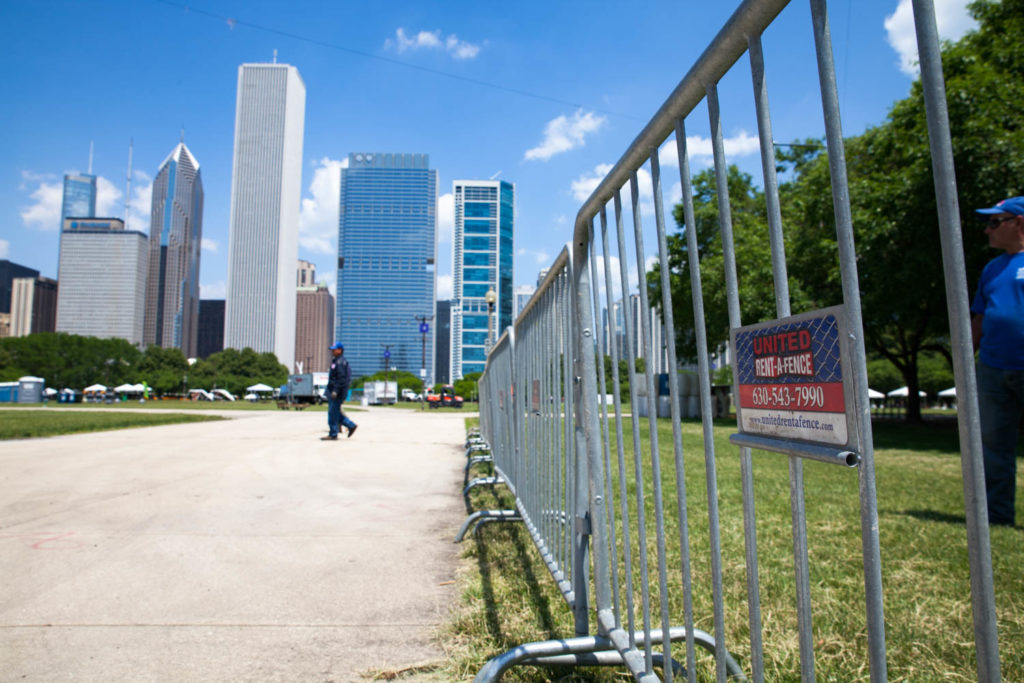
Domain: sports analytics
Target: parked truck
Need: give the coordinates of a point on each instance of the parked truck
(305, 388)
(377, 393)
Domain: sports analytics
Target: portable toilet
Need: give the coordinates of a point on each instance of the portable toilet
(30, 389)
(8, 392)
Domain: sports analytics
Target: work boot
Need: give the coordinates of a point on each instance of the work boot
(352, 430)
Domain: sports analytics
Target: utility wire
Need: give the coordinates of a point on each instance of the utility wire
(232, 22)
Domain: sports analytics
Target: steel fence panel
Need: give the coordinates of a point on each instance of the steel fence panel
(580, 482)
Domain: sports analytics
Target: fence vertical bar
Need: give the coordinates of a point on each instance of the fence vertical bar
(851, 296)
(641, 511)
(732, 296)
(652, 408)
(986, 637)
(613, 347)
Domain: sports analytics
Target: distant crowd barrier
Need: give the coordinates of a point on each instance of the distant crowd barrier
(580, 469)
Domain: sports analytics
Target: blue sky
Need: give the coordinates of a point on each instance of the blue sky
(542, 94)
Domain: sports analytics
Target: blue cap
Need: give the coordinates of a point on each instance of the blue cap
(1014, 205)
(337, 345)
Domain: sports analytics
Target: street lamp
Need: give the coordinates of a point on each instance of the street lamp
(490, 298)
(424, 321)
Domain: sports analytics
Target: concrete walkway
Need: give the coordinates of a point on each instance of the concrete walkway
(243, 550)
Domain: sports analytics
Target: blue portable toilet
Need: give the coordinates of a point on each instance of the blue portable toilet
(30, 389)
(8, 392)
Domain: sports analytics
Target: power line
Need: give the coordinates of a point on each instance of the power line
(233, 22)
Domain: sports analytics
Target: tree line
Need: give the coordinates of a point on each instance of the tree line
(74, 361)
(896, 228)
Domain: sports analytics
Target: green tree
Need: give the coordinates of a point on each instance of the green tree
(235, 370)
(892, 197)
(69, 360)
(163, 369)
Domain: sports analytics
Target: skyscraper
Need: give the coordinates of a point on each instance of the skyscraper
(102, 289)
(387, 229)
(443, 337)
(266, 184)
(211, 327)
(175, 234)
(79, 200)
(33, 305)
(79, 197)
(482, 261)
(314, 327)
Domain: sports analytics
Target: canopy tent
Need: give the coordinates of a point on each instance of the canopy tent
(948, 393)
(251, 397)
(50, 391)
(129, 388)
(875, 394)
(259, 387)
(903, 392)
(94, 388)
(67, 390)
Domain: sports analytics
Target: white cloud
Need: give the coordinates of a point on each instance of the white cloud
(445, 287)
(585, 185)
(431, 40)
(5, 249)
(318, 218)
(562, 134)
(212, 290)
(140, 208)
(445, 218)
(539, 256)
(699, 149)
(330, 278)
(108, 198)
(43, 213)
(951, 18)
(209, 245)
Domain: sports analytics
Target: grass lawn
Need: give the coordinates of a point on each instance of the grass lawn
(21, 423)
(509, 597)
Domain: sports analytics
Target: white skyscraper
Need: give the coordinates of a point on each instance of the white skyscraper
(266, 184)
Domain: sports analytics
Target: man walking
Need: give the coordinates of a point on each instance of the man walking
(338, 379)
(997, 327)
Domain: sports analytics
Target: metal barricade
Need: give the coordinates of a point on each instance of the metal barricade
(579, 479)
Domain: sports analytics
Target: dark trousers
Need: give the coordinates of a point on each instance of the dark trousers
(335, 418)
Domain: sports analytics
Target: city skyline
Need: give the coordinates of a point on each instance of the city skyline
(564, 112)
(266, 181)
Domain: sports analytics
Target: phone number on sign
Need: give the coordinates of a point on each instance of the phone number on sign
(801, 396)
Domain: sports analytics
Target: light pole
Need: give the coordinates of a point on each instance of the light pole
(424, 321)
(490, 298)
(387, 359)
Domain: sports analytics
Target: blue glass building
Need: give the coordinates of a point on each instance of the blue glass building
(79, 200)
(481, 261)
(387, 246)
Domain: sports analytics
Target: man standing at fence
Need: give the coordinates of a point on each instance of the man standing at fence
(338, 379)
(997, 327)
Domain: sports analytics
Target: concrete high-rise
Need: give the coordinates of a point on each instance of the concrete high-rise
(102, 288)
(8, 272)
(314, 327)
(387, 232)
(266, 184)
(306, 274)
(481, 262)
(175, 234)
(33, 306)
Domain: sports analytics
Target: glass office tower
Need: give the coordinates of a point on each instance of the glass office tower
(79, 200)
(387, 246)
(481, 261)
(175, 234)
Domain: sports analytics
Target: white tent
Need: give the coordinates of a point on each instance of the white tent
(903, 392)
(251, 397)
(948, 393)
(875, 394)
(124, 388)
(259, 387)
(50, 391)
(94, 387)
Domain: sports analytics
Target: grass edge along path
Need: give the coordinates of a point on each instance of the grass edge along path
(21, 423)
(508, 597)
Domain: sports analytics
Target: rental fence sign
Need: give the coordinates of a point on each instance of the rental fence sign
(791, 381)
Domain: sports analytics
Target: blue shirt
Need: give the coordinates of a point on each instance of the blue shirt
(1000, 299)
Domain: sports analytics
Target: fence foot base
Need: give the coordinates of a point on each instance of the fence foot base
(480, 517)
(596, 651)
(481, 481)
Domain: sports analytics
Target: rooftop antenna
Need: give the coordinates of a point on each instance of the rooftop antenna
(275, 55)
(128, 183)
(90, 157)
(495, 176)
(183, 133)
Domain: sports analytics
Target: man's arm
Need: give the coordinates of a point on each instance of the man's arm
(976, 329)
